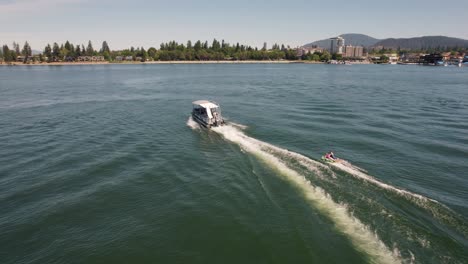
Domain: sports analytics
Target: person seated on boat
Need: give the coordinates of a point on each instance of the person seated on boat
(330, 156)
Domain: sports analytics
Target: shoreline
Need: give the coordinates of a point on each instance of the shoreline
(159, 62)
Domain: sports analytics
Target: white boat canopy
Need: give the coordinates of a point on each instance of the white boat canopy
(205, 104)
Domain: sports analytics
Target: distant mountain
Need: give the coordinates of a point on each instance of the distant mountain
(350, 39)
(36, 52)
(429, 42)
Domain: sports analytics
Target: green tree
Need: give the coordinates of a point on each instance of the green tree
(198, 45)
(55, 51)
(291, 54)
(26, 51)
(90, 49)
(325, 56)
(16, 48)
(107, 55)
(63, 53)
(144, 54)
(48, 52)
(105, 47)
(215, 45)
(336, 56)
(78, 51)
(67, 46)
(7, 53)
(152, 53)
(384, 59)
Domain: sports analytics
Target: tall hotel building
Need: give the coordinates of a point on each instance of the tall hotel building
(337, 45)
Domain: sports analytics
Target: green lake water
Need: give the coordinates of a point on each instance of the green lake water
(102, 164)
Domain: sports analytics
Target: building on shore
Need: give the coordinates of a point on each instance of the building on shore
(353, 51)
(337, 45)
(410, 58)
(432, 59)
(90, 59)
(301, 51)
(28, 59)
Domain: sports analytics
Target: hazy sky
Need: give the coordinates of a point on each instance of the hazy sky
(292, 22)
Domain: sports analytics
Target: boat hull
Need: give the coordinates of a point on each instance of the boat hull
(203, 123)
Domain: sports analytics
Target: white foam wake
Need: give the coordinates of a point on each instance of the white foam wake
(359, 234)
(359, 173)
(242, 127)
(192, 124)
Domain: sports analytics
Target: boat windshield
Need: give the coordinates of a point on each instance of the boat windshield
(199, 110)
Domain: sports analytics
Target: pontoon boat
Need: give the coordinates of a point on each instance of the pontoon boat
(207, 113)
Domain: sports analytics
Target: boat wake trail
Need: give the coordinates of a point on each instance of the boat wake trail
(362, 237)
(438, 210)
(362, 174)
(242, 127)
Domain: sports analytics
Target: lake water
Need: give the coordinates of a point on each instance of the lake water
(101, 164)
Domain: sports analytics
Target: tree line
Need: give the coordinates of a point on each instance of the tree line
(8, 54)
(169, 51)
(455, 51)
(174, 51)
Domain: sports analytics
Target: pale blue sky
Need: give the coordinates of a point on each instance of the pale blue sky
(293, 22)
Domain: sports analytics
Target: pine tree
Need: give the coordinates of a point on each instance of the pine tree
(16, 48)
(7, 53)
(67, 46)
(55, 50)
(78, 51)
(105, 47)
(198, 46)
(72, 51)
(144, 54)
(48, 51)
(89, 49)
(26, 51)
(215, 45)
